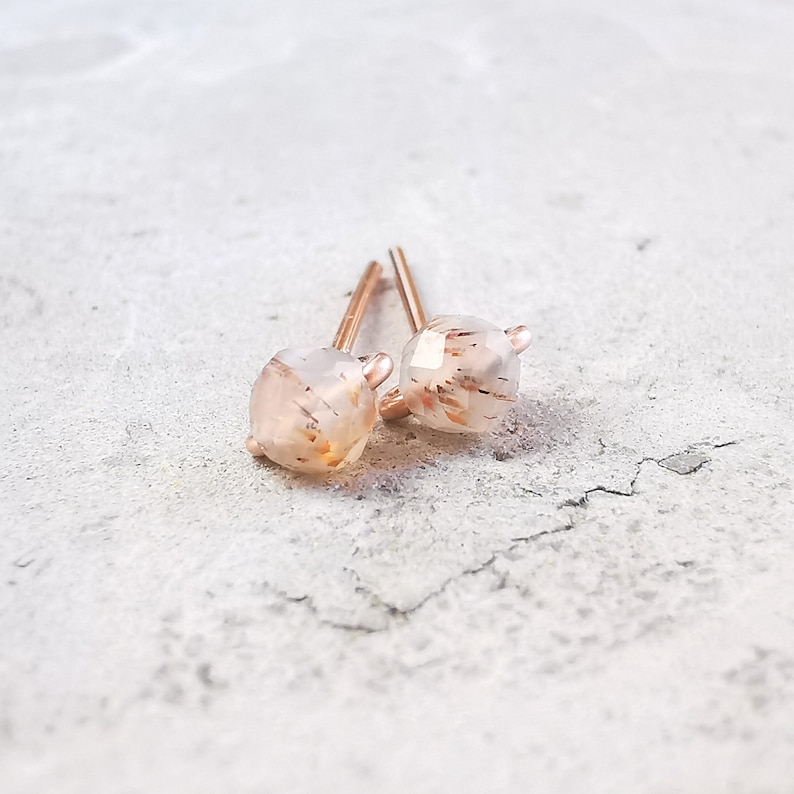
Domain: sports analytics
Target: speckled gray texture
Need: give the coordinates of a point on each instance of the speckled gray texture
(597, 598)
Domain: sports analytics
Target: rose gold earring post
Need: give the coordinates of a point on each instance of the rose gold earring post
(359, 301)
(407, 289)
(377, 368)
(392, 404)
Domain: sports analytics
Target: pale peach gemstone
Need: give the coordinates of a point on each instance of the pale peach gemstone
(459, 374)
(312, 410)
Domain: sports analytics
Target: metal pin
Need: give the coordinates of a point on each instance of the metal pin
(392, 405)
(359, 301)
(407, 288)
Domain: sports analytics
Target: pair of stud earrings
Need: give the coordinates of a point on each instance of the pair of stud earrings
(312, 409)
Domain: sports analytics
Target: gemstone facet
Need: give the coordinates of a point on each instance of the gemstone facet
(312, 410)
(459, 374)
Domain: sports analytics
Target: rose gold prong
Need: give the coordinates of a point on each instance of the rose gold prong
(520, 337)
(253, 447)
(392, 406)
(377, 369)
(407, 289)
(359, 301)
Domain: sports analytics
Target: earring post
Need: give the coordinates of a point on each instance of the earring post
(407, 289)
(359, 301)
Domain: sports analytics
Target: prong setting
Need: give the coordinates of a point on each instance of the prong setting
(520, 337)
(392, 406)
(254, 448)
(376, 369)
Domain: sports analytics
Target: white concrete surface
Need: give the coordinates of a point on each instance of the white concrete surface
(187, 187)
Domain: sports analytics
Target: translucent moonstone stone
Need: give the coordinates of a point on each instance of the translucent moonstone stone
(459, 374)
(312, 410)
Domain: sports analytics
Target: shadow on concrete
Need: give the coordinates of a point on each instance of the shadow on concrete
(396, 449)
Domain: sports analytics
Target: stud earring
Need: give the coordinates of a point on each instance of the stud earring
(312, 409)
(458, 374)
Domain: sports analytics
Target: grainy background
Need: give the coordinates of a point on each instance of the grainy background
(597, 598)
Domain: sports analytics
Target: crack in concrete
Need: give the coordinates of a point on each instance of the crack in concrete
(308, 602)
(691, 450)
(403, 613)
(395, 614)
(392, 612)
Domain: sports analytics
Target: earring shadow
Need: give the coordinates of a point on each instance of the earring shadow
(404, 444)
(531, 428)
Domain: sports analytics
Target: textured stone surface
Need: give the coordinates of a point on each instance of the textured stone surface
(459, 374)
(187, 188)
(311, 409)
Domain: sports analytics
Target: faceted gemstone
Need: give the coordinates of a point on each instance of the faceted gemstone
(312, 410)
(459, 374)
